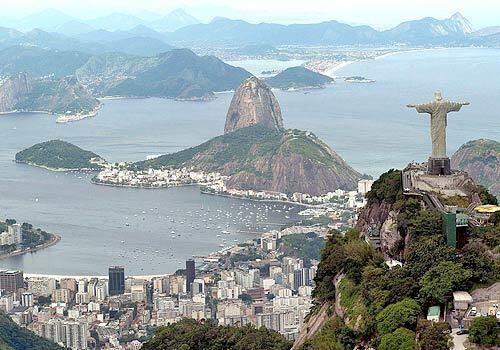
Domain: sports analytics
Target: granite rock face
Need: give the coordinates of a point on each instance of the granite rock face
(481, 160)
(253, 103)
(12, 90)
(24, 93)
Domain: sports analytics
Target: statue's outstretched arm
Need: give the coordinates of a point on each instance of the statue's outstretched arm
(456, 106)
(423, 107)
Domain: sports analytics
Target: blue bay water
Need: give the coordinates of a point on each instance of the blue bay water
(367, 124)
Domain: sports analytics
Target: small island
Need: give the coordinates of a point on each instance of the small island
(58, 155)
(298, 78)
(358, 79)
(17, 239)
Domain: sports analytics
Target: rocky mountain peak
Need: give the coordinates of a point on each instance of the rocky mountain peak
(253, 103)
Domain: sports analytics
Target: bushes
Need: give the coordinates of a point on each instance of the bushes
(334, 335)
(443, 279)
(388, 188)
(401, 314)
(349, 254)
(192, 335)
(433, 335)
(400, 339)
(485, 331)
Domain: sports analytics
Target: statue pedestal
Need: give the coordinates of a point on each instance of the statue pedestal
(439, 166)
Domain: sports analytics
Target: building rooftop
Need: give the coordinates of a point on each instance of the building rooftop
(434, 311)
(462, 296)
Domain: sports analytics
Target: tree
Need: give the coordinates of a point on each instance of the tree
(246, 298)
(192, 335)
(425, 252)
(485, 196)
(400, 339)
(476, 257)
(443, 279)
(388, 188)
(434, 335)
(485, 331)
(425, 223)
(401, 314)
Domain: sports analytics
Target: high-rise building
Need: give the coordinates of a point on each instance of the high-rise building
(298, 279)
(190, 274)
(76, 334)
(11, 281)
(27, 299)
(116, 280)
(198, 286)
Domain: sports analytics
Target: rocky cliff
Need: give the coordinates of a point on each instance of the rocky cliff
(23, 93)
(253, 103)
(12, 91)
(481, 160)
(256, 153)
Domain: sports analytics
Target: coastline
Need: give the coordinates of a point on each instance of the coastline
(61, 118)
(57, 170)
(258, 200)
(53, 241)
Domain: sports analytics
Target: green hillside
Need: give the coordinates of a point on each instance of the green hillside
(13, 337)
(260, 158)
(59, 155)
(298, 77)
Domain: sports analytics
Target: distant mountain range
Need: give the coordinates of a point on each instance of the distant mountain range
(178, 73)
(132, 35)
(57, 21)
(223, 31)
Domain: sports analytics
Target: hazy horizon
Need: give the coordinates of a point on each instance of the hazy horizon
(357, 12)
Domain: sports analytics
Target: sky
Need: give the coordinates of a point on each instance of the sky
(381, 14)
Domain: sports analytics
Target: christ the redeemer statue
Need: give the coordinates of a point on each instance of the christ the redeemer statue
(439, 109)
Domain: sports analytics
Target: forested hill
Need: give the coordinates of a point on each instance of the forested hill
(13, 337)
(59, 155)
(298, 77)
(260, 158)
(360, 300)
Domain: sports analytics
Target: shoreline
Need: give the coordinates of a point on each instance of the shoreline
(92, 181)
(56, 170)
(53, 241)
(258, 200)
(61, 118)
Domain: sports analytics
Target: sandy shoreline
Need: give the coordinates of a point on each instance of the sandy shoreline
(53, 241)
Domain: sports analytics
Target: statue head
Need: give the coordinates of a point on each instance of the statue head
(438, 95)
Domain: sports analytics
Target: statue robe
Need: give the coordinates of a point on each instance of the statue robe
(439, 111)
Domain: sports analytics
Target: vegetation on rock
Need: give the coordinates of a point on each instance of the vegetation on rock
(13, 337)
(298, 77)
(189, 334)
(59, 155)
(260, 158)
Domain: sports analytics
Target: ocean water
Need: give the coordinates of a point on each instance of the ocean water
(367, 124)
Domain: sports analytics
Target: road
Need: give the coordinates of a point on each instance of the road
(458, 340)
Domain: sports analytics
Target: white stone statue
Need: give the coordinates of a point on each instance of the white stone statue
(438, 110)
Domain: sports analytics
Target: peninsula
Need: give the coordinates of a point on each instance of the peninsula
(257, 153)
(58, 155)
(64, 97)
(17, 239)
